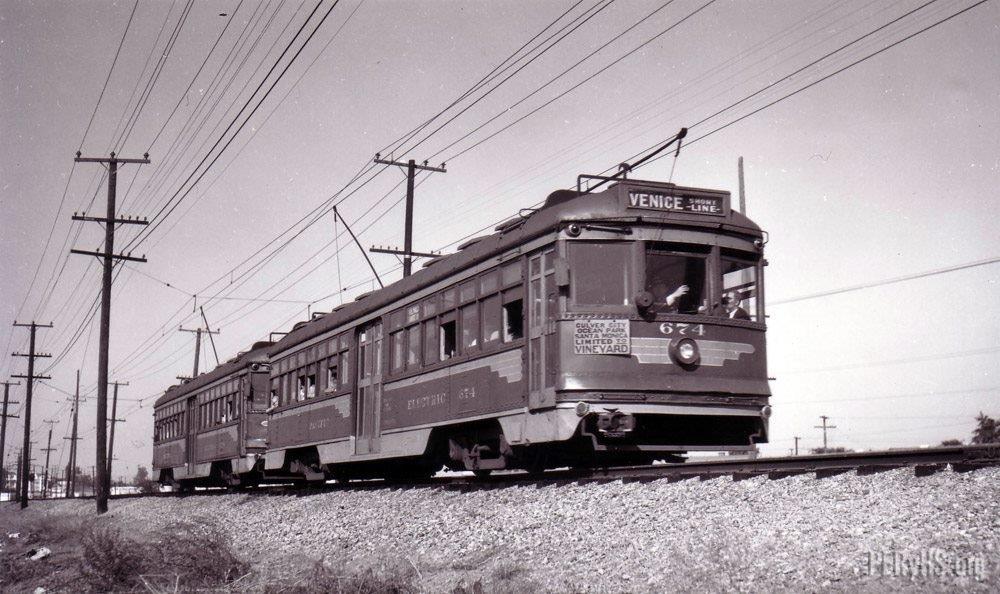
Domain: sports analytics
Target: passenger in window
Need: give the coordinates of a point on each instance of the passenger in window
(733, 311)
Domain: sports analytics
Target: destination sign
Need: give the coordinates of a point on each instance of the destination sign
(709, 205)
(601, 337)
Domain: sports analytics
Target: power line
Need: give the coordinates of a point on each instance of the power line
(832, 74)
(889, 281)
(171, 204)
(779, 402)
(953, 355)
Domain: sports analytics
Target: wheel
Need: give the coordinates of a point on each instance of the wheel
(482, 472)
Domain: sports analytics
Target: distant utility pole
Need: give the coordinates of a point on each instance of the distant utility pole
(17, 481)
(743, 192)
(197, 344)
(824, 427)
(102, 486)
(797, 438)
(71, 470)
(3, 431)
(407, 251)
(114, 421)
(29, 386)
(48, 452)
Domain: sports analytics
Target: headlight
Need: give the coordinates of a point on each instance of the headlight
(685, 351)
(582, 408)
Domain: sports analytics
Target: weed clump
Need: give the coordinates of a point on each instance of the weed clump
(188, 556)
(110, 560)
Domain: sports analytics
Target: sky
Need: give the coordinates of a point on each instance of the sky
(862, 170)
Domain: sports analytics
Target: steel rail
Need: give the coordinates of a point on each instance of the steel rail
(924, 462)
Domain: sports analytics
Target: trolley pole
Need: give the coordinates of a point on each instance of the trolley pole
(29, 386)
(48, 452)
(114, 421)
(411, 173)
(71, 469)
(108, 256)
(824, 427)
(3, 431)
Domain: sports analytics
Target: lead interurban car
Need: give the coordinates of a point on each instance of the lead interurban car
(588, 332)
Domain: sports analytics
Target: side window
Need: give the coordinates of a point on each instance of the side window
(345, 369)
(513, 315)
(448, 340)
(413, 347)
(396, 355)
(470, 327)
(431, 350)
(311, 385)
(491, 320)
(332, 375)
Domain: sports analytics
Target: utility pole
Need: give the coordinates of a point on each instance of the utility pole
(407, 251)
(3, 431)
(114, 421)
(29, 386)
(197, 343)
(824, 427)
(71, 470)
(797, 438)
(108, 256)
(48, 452)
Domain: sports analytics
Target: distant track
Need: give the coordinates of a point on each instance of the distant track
(923, 461)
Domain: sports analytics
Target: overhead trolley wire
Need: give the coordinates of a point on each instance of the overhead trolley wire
(481, 82)
(832, 74)
(581, 83)
(573, 26)
(613, 39)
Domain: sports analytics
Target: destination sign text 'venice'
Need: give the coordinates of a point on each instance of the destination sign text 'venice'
(649, 200)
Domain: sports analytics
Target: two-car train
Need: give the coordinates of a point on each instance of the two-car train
(604, 328)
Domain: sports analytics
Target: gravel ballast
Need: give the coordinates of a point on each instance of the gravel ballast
(884, 532)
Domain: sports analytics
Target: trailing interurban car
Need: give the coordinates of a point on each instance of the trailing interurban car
(212, 429)
(604, 328)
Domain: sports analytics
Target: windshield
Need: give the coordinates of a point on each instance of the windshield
(675, 276)
(600, 273)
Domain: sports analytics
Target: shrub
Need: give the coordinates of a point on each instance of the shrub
(199, 552)
(187, 555)
(110, 560)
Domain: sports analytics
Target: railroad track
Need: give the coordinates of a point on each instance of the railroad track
(923, 461)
